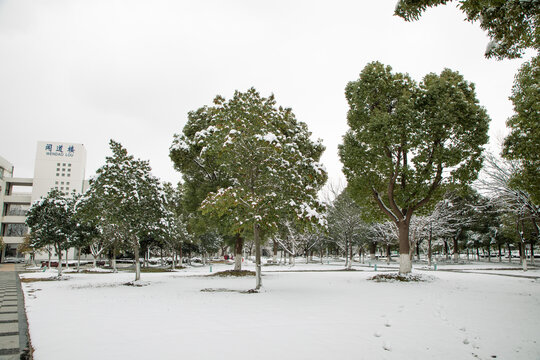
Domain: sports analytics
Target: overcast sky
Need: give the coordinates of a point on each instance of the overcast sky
(89, 71)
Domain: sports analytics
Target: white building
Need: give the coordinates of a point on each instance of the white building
(57, 165)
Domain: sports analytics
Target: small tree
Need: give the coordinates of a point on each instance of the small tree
(50, 220)
(129, 198)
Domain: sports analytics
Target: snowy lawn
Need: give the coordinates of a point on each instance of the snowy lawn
(299, 315)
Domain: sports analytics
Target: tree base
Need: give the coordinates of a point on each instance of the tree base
(405, 264)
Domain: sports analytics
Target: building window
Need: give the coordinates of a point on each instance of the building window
(57, 169)
(58, 164)
(68, 175)
(69, 164)
(57, 174)
(56, 182)
(69, 169)
(67, 183)
(63, 174)
(15, 230)
(63, 164)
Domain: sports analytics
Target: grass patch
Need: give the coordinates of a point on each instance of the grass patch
(399, 277)
(147, 270)
(237, 273)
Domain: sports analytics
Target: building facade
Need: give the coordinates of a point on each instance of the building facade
(57, 165)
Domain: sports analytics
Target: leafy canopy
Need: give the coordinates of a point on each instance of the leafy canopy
(408, 140)
(259, 158)
(512, 25)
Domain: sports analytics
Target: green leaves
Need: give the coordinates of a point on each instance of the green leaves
(523, 141)
(258, 157)
(512, 25)
(407, 140)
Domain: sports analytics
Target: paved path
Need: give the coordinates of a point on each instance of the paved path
(13, 325)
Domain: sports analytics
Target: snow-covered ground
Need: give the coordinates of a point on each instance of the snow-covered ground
(299, 315)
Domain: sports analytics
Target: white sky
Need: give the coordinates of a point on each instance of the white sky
(88, 71)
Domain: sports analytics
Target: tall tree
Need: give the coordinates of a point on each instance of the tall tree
(523, 142)
(129, 196)
(406, 141)
(512, 25)
(270, 163)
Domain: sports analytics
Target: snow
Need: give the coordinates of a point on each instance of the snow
(303, 312)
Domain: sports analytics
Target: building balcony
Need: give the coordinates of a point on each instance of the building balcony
(13, 239)
(15, 181)
(18, 199)
(10, 219)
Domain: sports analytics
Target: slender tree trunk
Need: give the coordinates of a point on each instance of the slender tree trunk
(429, 252)
(275, 249)
(78, 259)
(418, 251)
(446, 250)
(180, 258)
(137, 262)
(59, 252)
(489, 253)
(67, 257)
(257, 238)
(238, 245)
(173, 264)
(456, 250)
(115, 270)
(500, 252)
(524, 257)
(477, 254)
(509, 253)
(532, 253)
(388, 256)
(50, 254)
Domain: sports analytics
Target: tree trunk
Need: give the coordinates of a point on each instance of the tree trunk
(238, 245)
(137, 263)
(489, 253)
(388, 256)
(115, 270)
(477, 254)
(446, 251)
(67, 257)
(59, 252)
(523, 256)
(50, 251)
(79, 260)
(456, 250)
(532, 253)
(509, 253)
(372, 250)
(405, 264)
(275, 248)
(418, 251)
(500, 252)
(429, 252)
(180, 259)
(173, 261)
(257, 238)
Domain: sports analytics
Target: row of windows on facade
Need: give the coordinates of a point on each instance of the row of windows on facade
(15, 230)
(15, 209)
(63, 169)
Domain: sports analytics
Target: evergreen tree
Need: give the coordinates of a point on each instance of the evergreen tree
(407, 141)
(523, 142)
(269, 163)
(512, 25)
(50, 220)
(129, 198)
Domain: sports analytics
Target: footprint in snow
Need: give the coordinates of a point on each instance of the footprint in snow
(386, 346)
(387, 323)
(377, 334)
